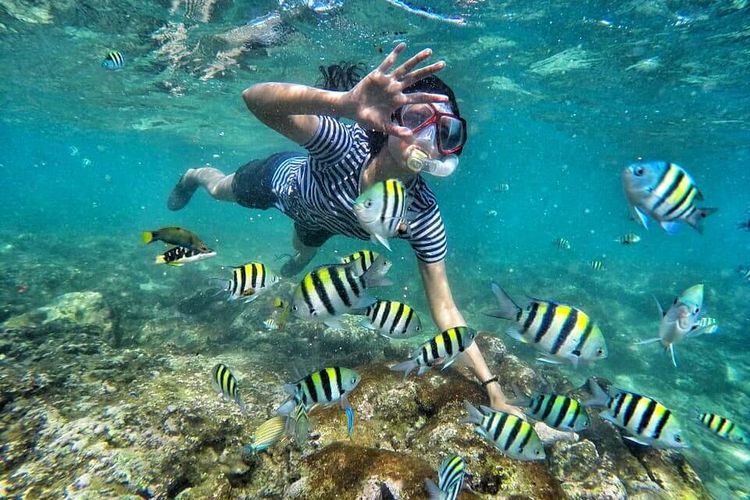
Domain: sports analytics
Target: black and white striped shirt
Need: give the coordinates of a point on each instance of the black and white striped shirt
(318, 191)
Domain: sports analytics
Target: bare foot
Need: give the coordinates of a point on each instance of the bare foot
(182, 192)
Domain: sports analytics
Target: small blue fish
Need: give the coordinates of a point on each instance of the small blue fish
(349, 420)
(113, 60)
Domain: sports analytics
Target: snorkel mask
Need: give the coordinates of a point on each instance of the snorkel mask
(437, 132)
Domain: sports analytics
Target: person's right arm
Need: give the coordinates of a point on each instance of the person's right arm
(293, 110)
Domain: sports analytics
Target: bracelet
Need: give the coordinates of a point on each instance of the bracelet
(489, 381)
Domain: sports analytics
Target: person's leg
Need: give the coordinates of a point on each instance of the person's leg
(298, 262)
(213, 180)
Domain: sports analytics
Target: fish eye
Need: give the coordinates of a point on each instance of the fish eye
(697, 310)
(599, 351)
(677, 438)
(294, 308)
(368, 203)
(639, 171)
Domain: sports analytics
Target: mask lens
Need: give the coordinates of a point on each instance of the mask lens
(452, 133)
(414, 116)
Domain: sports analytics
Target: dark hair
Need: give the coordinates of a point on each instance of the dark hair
(431, 84)
(342, 76)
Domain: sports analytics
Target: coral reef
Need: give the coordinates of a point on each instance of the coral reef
(84, 418)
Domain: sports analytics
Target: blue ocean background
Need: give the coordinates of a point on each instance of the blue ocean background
(91, 155)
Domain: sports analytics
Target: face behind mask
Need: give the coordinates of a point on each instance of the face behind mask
(420, 161)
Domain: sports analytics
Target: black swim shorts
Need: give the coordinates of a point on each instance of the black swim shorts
(252, 184)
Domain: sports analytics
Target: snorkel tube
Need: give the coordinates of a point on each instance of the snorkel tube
(419, 161)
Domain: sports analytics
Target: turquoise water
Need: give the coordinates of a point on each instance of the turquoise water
(559, 97)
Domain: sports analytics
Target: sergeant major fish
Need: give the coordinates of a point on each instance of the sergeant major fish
(323, 387)
(177, 256)
(559, 331)
(664, 192)
(444, 348)
(724, 428)
(248, 280)
(176, 236)
(365, 258)
(113, 60)
(557, 411)
(450, 479)
(681, 321)
(226, 384)
(392, 319)
(381, 210)
(330, 291)
(649, 422)
(511, 436)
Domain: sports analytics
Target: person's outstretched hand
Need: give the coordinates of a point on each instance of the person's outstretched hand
(380, 93)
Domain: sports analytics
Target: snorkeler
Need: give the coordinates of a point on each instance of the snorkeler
(407, 122)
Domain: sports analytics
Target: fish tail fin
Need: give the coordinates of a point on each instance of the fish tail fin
(147, 237)
(475, 416)
(598, 396)
(508, 309)
(407, 367)
(160, 260)
(696, 218)
(433, 492)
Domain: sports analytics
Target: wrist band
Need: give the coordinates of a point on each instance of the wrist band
(489, 381)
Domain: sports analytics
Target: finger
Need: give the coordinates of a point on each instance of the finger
(391, 58)
(417, 75)
(424, 97)
(398, 131)
(402, 70)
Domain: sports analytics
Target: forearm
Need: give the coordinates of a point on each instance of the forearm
(268, 100)
(443, 309)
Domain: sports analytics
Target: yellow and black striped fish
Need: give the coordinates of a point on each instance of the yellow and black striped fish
(562, 243)
(225, 383)
(266, 435)
(649, 422)
(113, 60)
(323, 387)
(597, 265)
(381, 210)
(450, 479)
(248, 280)
(558, 411)
(328, 292)
(664, 192)
(365, 259)
(444, 348)
(724, 428)
(559, 331)
(393, 319)
(177, 256)
(511, 436)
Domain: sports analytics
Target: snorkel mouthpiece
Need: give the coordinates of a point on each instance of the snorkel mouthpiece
(419, 162)
(416, 160)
